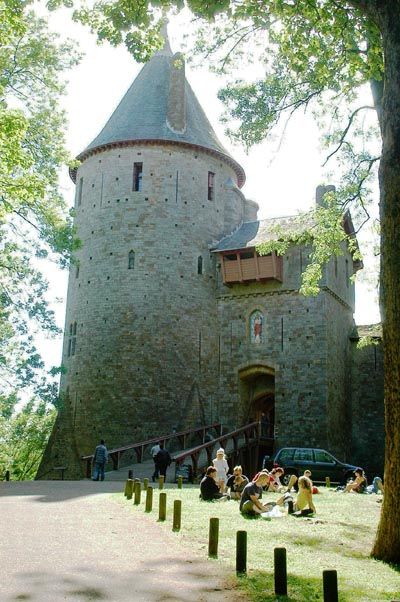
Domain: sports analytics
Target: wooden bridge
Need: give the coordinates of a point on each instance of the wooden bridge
(241, 447)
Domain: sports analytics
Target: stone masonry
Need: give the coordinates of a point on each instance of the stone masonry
(154, 337)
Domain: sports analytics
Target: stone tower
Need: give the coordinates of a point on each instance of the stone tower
(153, 190)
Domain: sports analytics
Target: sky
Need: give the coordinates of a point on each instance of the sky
(282, 172)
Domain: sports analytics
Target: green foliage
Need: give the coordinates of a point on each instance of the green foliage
(23, 438)
(34, 221)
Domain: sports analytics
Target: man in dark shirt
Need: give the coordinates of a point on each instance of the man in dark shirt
(251, 496)
(100, 459)
(162, 460)
(236, 483)
(209, 489)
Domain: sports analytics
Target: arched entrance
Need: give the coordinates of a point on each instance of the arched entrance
(257, 393)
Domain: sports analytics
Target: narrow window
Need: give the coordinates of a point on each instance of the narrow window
(199, 264)
(131, 260)
(77, 271)
(79, 193)
(137, 177)
(335, 260)
(211, 190)
(347, 273)
(73, 343)
(72, 339)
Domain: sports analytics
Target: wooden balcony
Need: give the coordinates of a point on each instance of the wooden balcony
(247, 266)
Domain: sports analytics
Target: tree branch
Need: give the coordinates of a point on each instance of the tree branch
(346, 131)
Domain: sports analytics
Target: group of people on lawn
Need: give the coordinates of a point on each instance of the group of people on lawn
(218, 485)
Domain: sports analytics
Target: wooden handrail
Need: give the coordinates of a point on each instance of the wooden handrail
(116, 453)
(250, 429)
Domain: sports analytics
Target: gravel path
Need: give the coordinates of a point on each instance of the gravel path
(70, 540)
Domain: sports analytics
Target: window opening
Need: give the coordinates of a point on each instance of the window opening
(137, 177)
(131, 260)
(199, 264)
(347, 273)
(72, 339)
(211, 186)
(79, 192)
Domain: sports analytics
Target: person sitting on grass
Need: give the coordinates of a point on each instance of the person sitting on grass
(250, 503)
(358, 484)
(209, 489)
(304, 503)
(307, 473)
(274, 479)
(236, 483)
(376, 486)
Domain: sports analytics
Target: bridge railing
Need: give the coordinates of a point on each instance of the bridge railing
(139, 448)
(250, 433)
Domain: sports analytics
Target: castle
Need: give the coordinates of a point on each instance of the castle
(173, 320)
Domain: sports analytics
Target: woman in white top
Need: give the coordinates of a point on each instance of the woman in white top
(222, 468)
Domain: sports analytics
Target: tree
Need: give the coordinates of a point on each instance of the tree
(23, 436)
(317, 48)
(34, 222)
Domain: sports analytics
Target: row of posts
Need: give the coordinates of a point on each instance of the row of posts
(133, 489)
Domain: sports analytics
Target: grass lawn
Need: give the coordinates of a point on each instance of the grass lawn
(339, 537)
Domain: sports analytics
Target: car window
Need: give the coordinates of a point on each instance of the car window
(303, 455)
(286, 455)
(323, 456)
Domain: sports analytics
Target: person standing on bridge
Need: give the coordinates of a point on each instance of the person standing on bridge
(162, 461)
(100, 458)
(154, 451)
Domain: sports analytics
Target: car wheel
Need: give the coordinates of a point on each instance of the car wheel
(286, 477)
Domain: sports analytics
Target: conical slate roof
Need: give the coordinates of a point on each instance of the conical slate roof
(142, 115)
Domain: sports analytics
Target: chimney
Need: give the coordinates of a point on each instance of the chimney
(176, 109)
(321, 191)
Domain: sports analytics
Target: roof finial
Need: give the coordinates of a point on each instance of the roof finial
(166, 49)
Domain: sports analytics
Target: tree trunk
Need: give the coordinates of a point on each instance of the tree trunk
(387, 543)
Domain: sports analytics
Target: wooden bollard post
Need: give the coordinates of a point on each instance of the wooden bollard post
(241, 551)
(176, 521)
(213, 536)
(7, 475)
(129, 490)
(327, 482)
(137, 490)
(145, 484)
(280, 571)
(330, 586)
(149, 499)
(180, 481)
(130, 474)
(162, 507)
(161, 480)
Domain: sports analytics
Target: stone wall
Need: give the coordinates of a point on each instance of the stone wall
(146, 337)
(367, 408)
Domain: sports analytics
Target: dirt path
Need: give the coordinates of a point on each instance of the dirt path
(68, 540)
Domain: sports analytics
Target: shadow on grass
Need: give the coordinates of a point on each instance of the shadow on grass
(259, 586)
